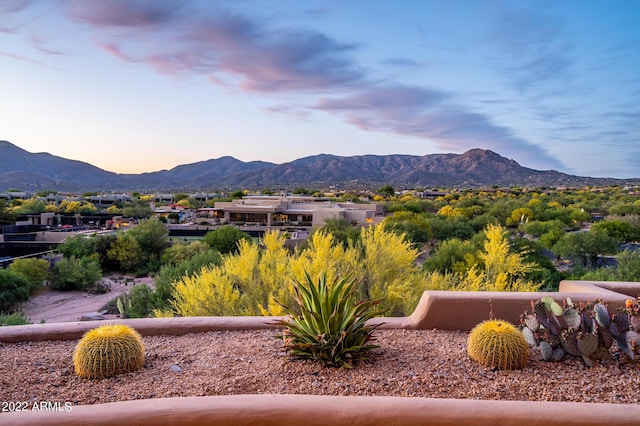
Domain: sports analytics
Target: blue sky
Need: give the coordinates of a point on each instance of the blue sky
(137, 86)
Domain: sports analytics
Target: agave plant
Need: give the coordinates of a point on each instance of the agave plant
(330, 324)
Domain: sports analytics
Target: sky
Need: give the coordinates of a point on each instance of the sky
(136, 86)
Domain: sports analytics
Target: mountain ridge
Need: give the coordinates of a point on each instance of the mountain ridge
(474, 168)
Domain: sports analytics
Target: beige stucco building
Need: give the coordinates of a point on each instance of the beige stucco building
(266, 210)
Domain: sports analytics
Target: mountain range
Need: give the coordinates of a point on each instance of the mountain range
(22, 170)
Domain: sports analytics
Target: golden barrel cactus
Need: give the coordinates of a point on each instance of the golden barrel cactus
(498, 344)
(108, 350)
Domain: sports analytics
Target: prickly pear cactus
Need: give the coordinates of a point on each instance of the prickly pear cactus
(108, 350)
(572, 317)
(498, 344)
(587, 344)
(586, 331)
(602, 315)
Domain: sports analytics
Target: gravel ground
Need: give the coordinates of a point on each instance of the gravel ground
(431, 364)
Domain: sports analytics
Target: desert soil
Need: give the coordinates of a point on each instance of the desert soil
(68, 306)
(428, 363)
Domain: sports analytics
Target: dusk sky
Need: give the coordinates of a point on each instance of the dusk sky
(136, 86)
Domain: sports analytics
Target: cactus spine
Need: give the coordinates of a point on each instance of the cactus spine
(108, 350)
(498, 344)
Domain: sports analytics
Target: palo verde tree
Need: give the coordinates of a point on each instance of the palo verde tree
(494, 268)
(248, 282)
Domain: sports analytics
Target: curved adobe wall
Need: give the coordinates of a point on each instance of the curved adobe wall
(443, 310)
(311, 410)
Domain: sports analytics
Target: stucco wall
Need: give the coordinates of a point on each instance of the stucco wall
(316, 410)
(443, 310)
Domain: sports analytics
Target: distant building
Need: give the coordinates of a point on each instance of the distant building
(267, 210)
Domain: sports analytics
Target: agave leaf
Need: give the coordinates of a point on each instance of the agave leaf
(330, 326)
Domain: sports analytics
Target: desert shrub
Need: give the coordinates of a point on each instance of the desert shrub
(137, 303)
(76, 246)
(16, 318)
(14, 289)
(494, 268)
(329, 322)
(125, 252)
(75, 274)
(225, 239)
(163, 294)
(179, 253)
(36, 271)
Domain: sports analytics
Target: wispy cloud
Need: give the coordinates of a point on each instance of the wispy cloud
(13, 6)
(229, 47)
(124, 13)
(430, 115)
(243, 52)
(10, 11)
(532, 40)
(26, 59)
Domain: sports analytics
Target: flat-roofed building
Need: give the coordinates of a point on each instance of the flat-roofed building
(266, 210)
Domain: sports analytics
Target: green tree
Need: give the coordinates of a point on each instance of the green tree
(126, 252)
(624, 209)
(7, 217)
(415, 227)
(100, 245)
(14, 289)
(386, 191)
(621, 231)
(153, 238)
(32, 206)
(75, 274)
(498, 268)
(341, 229)
(538, 228)
(450, 256)
(628, 268)
(137, 209)
(588, 247)
(519, 215)
(78, 245)
(301, 190)
(225, 239)
(137, 303)
(456, 227)
(179, 253)
(36, 271)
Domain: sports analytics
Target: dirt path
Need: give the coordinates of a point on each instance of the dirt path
(69, 306)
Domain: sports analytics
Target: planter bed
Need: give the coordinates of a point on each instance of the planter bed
(244, 375)
(430, 364)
